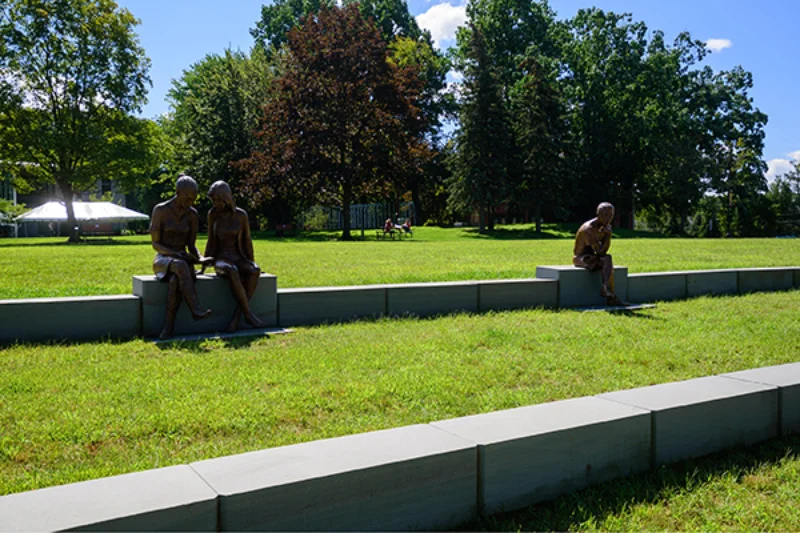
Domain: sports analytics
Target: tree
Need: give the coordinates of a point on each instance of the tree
(342, 119)
(281, 16)
(80, 71)
(215, 108)
(484, 144)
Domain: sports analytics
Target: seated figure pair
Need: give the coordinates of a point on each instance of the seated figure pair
(173, 231)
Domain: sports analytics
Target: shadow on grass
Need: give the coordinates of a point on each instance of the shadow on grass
(211, 344)
(9, 243)
(564, 230)
(597, 503)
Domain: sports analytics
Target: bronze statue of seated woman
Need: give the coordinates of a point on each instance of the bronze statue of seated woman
(230, 245)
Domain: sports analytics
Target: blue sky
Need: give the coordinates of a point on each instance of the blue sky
(762, 36)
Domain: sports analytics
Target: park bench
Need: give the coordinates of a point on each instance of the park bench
(283, 230)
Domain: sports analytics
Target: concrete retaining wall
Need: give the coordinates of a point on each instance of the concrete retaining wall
(430, 476)
(658, 286)
(508, 294)
(317, 305)
(142, 314)
(78, 318)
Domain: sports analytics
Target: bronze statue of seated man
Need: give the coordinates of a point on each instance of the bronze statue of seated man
(591, 250)
(173, 231)
(230, 245)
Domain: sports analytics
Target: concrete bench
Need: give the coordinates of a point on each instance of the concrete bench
(536, 453)
(74, 318)
(167, 499)
(214, 293)
(413, 477)
(316, 305)
(787, 379)
(577, 287)
(506, 294)
(705, 415)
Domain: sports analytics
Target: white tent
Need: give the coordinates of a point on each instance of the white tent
(84, 211)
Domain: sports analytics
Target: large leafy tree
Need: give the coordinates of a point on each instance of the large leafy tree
(79, 72)
(343, 117)
(483, 159)
(542, 136)
(605, 65)
(215, 108)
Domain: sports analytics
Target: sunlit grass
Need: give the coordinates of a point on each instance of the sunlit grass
(79, 411)
(47, 267)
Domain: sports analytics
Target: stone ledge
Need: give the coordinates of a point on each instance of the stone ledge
(508, 294)
(316, 305)
(536, 453)
(413, 477)
(167, 499)
(705, 415)
(428, 299)
(72, 318)
(577, 287)
(787, 379)
(657, 286)
(213, 293)
(766, 279)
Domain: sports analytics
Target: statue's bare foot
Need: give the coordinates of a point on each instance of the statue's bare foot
(201, 316)
(614, 301)
(254, 321)
(166, 333)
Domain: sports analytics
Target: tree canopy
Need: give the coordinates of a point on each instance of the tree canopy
(77, 72)
(343, 120)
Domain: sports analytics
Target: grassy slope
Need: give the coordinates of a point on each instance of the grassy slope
(73, 412)
(46, 267)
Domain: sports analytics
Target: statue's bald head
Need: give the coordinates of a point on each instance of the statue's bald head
(186, 183)
(605, 206)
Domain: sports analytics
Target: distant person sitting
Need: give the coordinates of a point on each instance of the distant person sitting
(388, 226)
(591, 250)
(406, 226)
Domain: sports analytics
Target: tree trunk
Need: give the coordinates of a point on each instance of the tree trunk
(72, 223)
(490, 217)
(481, 219)
(347, 193)
(419, 216)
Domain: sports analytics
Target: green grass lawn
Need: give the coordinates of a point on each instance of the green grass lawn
(79, 411)
(47, 267)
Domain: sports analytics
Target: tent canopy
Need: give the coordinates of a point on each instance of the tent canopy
(84, 211)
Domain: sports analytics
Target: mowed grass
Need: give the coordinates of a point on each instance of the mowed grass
(79, 411)
(47, 267)
(746, 489)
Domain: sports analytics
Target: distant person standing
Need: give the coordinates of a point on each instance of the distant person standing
(591, 250)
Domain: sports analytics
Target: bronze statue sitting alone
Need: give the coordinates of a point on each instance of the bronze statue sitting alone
(230, 245)
(591, 250)
(173, 232)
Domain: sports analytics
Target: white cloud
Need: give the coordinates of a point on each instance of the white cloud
(718, 45)
(778, 167)
(442, 20)
(794, 155)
